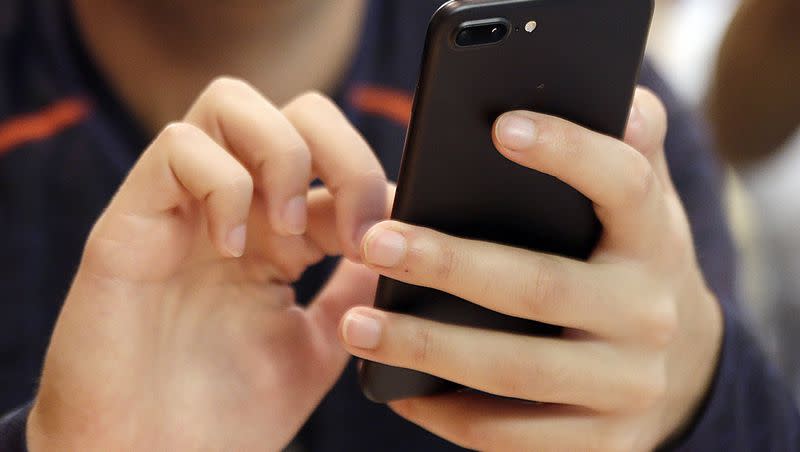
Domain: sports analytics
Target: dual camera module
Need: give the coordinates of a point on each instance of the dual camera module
(487, 32)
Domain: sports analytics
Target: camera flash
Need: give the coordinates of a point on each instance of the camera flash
(531, 26)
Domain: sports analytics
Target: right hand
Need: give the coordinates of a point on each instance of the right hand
(168, 339)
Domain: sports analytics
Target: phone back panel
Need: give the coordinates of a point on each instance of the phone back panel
(581, 63)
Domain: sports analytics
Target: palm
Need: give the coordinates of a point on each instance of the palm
(218, 348)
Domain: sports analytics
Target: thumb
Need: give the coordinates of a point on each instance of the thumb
(647, 130)
(351, 285)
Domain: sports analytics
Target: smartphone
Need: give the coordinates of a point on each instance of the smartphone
(575, 59)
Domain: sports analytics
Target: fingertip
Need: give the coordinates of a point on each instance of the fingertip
(384, 247)
(236, 241)
(515, 131)
(361, 328)
(647, 123)
(294, 217)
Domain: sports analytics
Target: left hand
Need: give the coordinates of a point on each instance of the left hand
(643, 330)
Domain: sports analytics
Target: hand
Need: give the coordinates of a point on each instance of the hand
(173, 337)
(642, 328)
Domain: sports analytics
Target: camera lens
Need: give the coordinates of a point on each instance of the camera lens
(483, 34)
(464, 37)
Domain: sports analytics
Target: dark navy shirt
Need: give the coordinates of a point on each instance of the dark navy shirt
(66, 143)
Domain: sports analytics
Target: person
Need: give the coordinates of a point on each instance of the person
(180, 329)
(755, 118)
(754, 113)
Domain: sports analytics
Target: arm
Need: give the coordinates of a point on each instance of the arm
(748, 407)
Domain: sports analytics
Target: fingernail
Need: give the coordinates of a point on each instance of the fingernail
(236, 240)
(361, 331)
(516, 132)
(295, 215)
(384, 248)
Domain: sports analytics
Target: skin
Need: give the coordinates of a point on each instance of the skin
(170, 51)
(643, 328)
(180, 338)
(754, 103)
(180, 331)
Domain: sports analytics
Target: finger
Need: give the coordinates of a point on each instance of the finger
(290, 255)
(248, 125)
(521, 283)
(478, 422)
(294, 254)
(351, 285)
(345, 163)
(647, 130)
(322, 219)
(540, 369)
(183, 165)
(618, 179)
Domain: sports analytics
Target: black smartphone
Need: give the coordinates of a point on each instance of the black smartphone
(575, 59)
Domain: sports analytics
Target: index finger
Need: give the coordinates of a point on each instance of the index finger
(345, 163)
(244, 122)
(619, 180)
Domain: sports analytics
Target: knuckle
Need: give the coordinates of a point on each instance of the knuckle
(529, 378)
(421, 347)
(225, 86)
(295, 155)
(445, 261)
(240, 182)
(236, 192)
(649, 389)
(569, 139)
(297, 150)
(661, 322)
(176, 134)
(543, 292)
(315, 99)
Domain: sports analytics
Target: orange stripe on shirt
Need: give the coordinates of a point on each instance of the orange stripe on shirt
(394, 105)
(43, 124)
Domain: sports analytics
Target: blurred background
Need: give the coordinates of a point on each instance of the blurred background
(737, 62)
